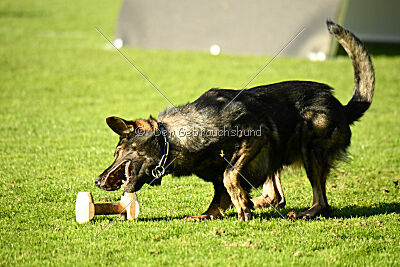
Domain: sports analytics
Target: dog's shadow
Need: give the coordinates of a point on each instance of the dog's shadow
(346, 212)
(352, 211)
(112, 218)
(157, 219)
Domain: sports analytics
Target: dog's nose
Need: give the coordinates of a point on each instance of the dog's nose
(97, 182)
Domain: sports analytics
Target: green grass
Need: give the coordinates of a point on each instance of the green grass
(59, 82)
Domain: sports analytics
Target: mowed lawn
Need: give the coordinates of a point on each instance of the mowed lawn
(59, 81)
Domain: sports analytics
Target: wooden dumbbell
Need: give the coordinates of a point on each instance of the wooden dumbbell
(85, 208)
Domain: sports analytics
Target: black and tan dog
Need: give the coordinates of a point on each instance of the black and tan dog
(240, 140)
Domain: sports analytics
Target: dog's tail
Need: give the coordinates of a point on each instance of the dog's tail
(364, 77)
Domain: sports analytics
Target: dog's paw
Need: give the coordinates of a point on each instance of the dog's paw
(266, 202)
(299, 215)
(245, 215)
(311, 213)
(260, 202)
(281, 203)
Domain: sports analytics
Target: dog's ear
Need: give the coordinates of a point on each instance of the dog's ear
(151, 118)
(152, 121)
(118, 125)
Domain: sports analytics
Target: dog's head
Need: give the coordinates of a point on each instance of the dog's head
(137, 153)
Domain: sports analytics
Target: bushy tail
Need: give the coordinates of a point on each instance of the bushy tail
(364, 77)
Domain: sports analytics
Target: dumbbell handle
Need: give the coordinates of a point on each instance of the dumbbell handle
(109, 208)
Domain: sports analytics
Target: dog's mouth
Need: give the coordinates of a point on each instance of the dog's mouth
(116, 176)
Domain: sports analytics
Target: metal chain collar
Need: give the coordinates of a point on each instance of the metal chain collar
(159, 170)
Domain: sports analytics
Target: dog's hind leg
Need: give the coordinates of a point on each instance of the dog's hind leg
(219, 204)
(272, 193)
(278, 186)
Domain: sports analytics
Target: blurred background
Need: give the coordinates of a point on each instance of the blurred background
(257, 27)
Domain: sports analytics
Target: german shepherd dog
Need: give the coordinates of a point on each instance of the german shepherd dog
(292, 122)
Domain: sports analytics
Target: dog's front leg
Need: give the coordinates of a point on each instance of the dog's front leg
(219, 204)
(233, 176)
(239, 197)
